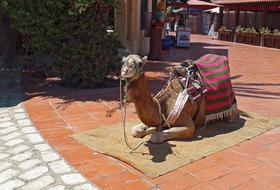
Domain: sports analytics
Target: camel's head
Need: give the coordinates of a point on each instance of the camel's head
(132, 66)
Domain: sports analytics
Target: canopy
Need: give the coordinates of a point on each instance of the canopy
(214, 10)
(196, 4)
(186, 10)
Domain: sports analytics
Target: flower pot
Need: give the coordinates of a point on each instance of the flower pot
(225, 35)
(267, 40)
(276, 43)
(166, 43)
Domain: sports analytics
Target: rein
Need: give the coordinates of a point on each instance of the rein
(123, 109)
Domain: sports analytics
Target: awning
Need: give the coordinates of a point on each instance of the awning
(196, 4)
(182, 10)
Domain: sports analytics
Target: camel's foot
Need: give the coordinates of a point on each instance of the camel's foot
(141, 130)
(232, 118)
(158, 137)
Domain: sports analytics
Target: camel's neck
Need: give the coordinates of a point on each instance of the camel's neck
(146, 108)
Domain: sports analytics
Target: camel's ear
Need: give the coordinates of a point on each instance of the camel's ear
(144, 60)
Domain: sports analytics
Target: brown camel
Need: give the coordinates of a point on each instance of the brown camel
(148, 107)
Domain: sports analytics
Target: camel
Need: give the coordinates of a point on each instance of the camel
(148, 107)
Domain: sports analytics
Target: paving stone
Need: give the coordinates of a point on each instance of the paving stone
(14, 142)
(22, 157)
(18, 149)
(34, 138)
(49, 156)
(2, 148)
(8, 130)
(5, 165)
(18, 110)
(2, 119)
(24, 122)
(42, 147)
(86, 186)
(27, 130)
(20, 116)
(10, 136)
(12, 184)
(3, 111)
(40, 183)
(6, 124)
(29, 164)
(58, 187)
(60, 166)
(7, 174)
(34, 173)
(4, 115)
(73, 179)
(4, 155)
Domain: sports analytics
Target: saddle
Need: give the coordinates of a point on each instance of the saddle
(190, 79)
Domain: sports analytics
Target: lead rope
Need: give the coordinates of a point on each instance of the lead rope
(123, 109)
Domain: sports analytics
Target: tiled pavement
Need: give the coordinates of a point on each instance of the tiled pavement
(58, 112)
(27, 162)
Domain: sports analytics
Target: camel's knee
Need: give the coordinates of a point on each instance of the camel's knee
(141, 130)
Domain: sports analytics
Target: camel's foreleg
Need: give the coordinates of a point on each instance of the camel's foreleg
(141, 130)
(174, 133)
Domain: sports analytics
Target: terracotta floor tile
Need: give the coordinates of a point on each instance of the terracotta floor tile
(65, 144)
(106, 171)
(247, 148)
(274, 147)
(266, 174)
(264, 140)
(115, 180)
(275, 183)
(269, 156)
(182, 182)
(77, 156)
(95, 164)
(252, 184)
(212, 172)
(134, 185)
(248, 166)
(203, 186)
(168, 177)
(230, 181)
(198, 165)
(231, 160)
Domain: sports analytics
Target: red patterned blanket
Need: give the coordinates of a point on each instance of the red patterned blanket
(220, 96)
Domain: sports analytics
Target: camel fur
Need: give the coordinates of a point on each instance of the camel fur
(147, 108)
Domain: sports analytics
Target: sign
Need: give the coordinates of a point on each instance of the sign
(183, 36)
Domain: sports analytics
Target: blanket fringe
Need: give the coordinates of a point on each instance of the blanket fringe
(222, 115)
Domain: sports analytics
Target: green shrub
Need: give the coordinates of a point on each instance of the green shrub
(73, 32)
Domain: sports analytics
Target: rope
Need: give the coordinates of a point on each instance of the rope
(123, 109)
(161, 116)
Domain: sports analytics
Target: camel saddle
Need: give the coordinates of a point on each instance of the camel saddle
(192, 84)
(190, 79)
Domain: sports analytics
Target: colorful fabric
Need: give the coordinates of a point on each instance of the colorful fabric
(220, 98)
(193, 89)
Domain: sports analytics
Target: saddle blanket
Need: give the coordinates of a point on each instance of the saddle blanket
(220, 98)
(213, 78)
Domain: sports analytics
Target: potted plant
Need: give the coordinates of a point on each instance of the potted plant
(225, 34)
(276, 38)
(240, 34)
(266, 37)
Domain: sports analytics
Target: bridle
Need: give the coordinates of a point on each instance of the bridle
(123, 99)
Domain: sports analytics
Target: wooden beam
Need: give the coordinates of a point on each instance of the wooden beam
(221, 17)
(265, 16)
(237, 13)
